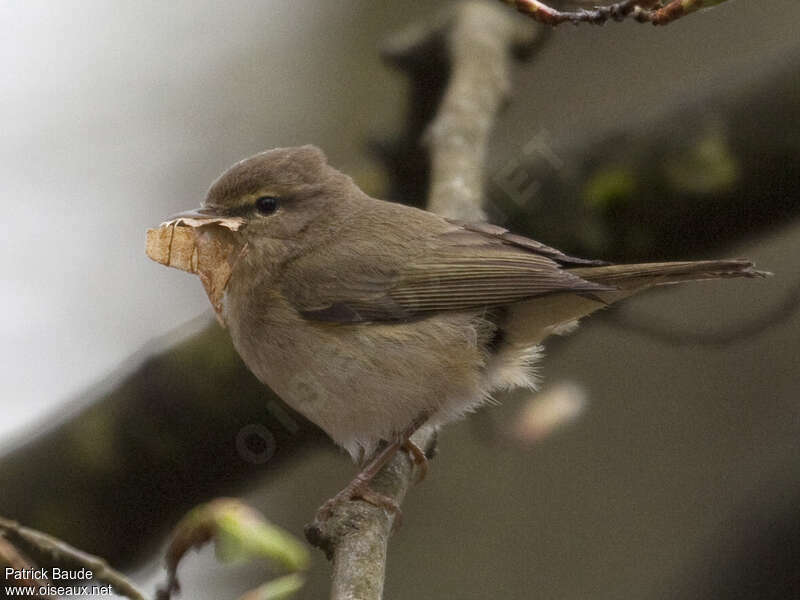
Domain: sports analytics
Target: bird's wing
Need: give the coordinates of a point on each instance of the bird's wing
(499, 234)
(465, 267)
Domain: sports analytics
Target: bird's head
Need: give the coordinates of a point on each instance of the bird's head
(279, 195)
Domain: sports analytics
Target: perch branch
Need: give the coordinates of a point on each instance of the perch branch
(476, 40)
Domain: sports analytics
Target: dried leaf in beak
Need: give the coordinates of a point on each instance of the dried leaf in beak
(203, 246)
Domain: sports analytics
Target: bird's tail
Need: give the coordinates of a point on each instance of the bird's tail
(538, 318)
(638, 276)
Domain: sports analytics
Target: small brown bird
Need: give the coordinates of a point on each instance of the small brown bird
(372, 318)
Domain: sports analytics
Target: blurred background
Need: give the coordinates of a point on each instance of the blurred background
(678, 479)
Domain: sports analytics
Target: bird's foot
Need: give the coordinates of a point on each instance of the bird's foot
(358, 489)
(318, 533)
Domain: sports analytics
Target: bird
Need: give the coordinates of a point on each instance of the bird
(373, 319)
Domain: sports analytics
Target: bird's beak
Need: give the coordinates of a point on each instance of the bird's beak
(199, 214)
(207, 215)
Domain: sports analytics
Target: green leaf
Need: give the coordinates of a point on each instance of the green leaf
(239, 532)
(242, 533)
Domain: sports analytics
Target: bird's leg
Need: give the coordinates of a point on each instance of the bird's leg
(415, 452)
(359, 487)
(418, 456)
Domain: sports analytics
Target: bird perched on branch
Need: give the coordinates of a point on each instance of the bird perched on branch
(373, 319)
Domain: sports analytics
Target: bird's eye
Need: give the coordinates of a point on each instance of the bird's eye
(267, 205)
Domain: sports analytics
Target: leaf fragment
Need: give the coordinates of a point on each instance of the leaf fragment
(205, 247)
(239, 532)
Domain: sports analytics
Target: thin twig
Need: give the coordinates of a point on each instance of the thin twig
(643, 11)
(477, 41)
(598, 15)
(61, 552)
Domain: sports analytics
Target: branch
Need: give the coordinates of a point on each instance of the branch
(476, 42)
(657, 12)
(39, 544)
(547, 15)
(356, 536)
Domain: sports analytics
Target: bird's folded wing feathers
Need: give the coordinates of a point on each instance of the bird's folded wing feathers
(466, 267)
(501, 235)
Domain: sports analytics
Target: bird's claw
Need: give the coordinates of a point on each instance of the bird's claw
(358, 491)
